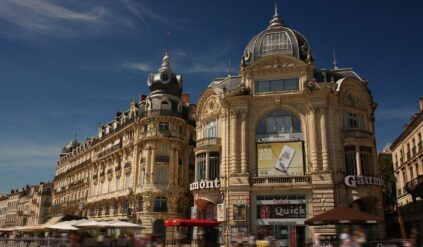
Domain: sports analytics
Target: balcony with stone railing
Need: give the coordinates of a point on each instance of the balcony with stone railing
(356, 133)
(288, 180)
(109, 150)
(415, 186)
(213, 143)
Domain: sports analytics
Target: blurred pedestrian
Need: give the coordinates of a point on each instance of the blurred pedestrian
(316, 240)
(345, 238)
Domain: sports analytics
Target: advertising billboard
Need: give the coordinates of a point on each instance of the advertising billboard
(280, 159)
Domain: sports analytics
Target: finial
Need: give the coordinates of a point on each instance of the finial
(335, 66)
(229, 67)
(166, 61)
(276, 20)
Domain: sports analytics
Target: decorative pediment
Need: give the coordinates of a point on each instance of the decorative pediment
(278, 64)
(354, 93)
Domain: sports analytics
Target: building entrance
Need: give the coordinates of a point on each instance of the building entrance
(282, 235)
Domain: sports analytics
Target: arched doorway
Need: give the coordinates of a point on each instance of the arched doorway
(159, 229)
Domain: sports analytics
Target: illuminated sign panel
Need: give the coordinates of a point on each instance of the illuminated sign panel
(280, 158)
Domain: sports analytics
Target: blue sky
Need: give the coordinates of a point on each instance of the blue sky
(73, 64)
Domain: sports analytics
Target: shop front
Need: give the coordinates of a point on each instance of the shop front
(281, 218)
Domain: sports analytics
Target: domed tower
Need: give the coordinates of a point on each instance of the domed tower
(277, 39)
(166, 140)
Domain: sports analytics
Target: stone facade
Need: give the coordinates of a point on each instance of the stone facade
(139, 165)
(281, 138)
(407, 157)
(26, 207)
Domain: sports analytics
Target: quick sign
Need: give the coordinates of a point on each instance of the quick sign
(281, 211)
(354, 181)
(205, 184)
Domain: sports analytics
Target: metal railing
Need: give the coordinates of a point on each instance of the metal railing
(282, 180)
(412, 185)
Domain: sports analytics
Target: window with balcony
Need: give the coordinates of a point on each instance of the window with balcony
(366, 159)
(214, 165)
(353, 120)
(280, 85)
(210, 129)
(163, 127)
(161, 176)
(350, 162)
(160, 204)
(201, 166)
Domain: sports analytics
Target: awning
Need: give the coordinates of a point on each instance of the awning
(343, 215)
(122, 224)
(188, 222)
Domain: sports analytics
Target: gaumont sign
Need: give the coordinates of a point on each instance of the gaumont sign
(205, 184)
(354, 181)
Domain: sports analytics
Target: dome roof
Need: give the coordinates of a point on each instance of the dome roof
(165, 81)
(71, 145)
(277, 39)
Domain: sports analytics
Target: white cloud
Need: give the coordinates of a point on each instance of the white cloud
(29, 155)
(75, 19)
(144, 67)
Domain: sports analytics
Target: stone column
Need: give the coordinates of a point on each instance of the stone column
(244, 145)
(312, 135)
(171, 165)
(357, 160)
(207, 166)
(152, 164)
(176, 160)
(323, 131)
(148, 166)
(233, 142)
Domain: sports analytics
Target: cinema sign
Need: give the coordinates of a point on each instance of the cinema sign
(205, 184)
(354, 181)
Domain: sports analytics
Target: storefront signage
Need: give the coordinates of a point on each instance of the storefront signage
(282, 207)
(354, 181)
(205, 184)
(280, 158)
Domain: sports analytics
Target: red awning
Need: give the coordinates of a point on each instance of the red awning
(187, 222)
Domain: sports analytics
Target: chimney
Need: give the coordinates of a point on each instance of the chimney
(421, 103)
(185, 98)
(142, 97)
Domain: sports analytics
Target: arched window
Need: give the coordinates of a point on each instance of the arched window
(160, 204)
(277, 123)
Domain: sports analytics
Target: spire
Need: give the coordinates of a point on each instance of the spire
(276, 20)
(166, 61)
(335, 66)
(76, 132)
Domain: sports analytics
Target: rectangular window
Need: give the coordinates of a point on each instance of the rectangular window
(277, 85)
(353, 120)
(350, 162)
(411, 172)
(161, 176)
(210, 129)
(117, 183)
(214, 165)
(127, 181)
(163, 126)
(142, 174)
(109, 186)
(366, 158)
(201, 167)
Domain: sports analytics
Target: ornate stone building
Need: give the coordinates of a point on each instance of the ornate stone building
(407, 157)
(26, 207)
(284, 141)
(138, 167)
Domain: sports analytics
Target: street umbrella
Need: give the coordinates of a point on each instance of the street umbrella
(122, 224)
(64, 226)
(91, 224)
(343, 215)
